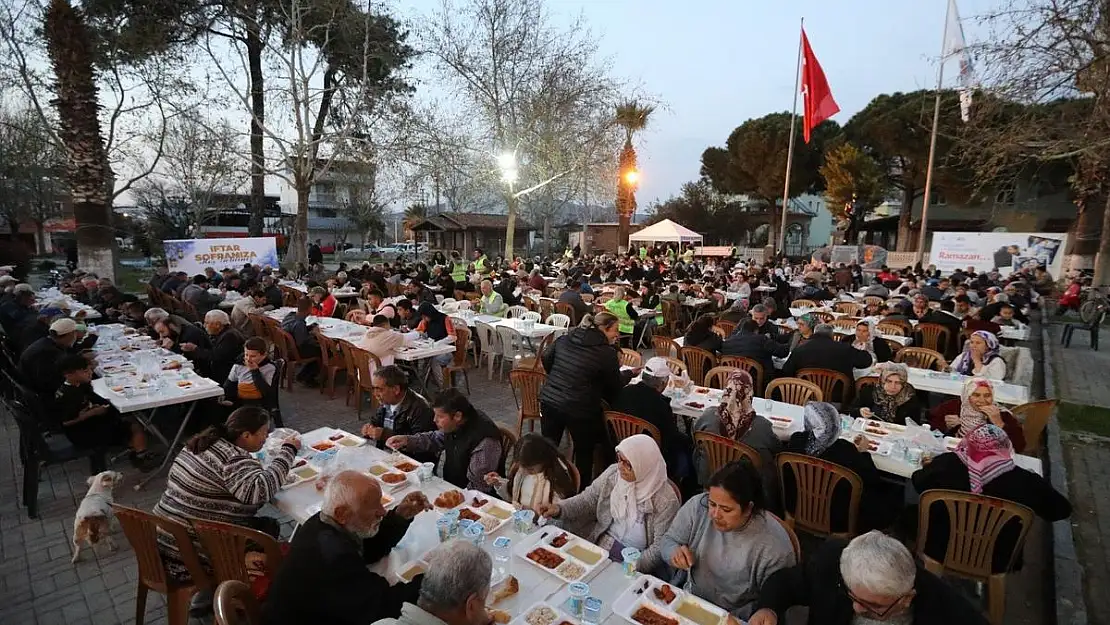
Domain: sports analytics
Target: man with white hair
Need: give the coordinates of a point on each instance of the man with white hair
(325, 578)
(645, 400)
(224, 349)
(455, 588)
(869, 581)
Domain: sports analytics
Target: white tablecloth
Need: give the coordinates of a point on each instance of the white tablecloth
(53, 296)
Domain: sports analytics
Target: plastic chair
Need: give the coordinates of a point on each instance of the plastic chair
(933, 336)
(721, 450)
(458, 363)
(718, 376)
(331, 363)
(235, 604)
(566, 309)
(620, 426)
(974, 525)
(873, 299)
(677, 366)
(794, 542)
(814, 481)
(631, 358)
(258, 325)
(530, 303)
(516, 312)
(845, 323)
(532, 315)
(751, 365)
(794, 391)
(803, 303)
(852, 309)
(508, 441)
(870, 380)
(665, 346)
(828, 380)
(893, 329)
(287, 349)
(698, 361)
(672, 320)
(462, 305)
(558, 320)
(1033, 417)
(512, 346)
(728, 326)
(921, 358)
(490, 342)
(226, 546)
(526, 385)
(141, 529)
(366, 363)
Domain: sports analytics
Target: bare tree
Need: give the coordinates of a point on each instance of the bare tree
(32, 173)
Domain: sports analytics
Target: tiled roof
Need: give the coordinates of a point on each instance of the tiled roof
(468, 221)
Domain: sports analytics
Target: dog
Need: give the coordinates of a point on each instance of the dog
(93, 522)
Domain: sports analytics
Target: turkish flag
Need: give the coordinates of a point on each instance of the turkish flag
(818, 99)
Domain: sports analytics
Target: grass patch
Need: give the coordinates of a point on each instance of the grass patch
(131, 279)
(1077, 418)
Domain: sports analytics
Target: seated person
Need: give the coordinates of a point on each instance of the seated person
(38, 364)
(629, 505)
(296, 324)
(401, 410)
(492, 302)
(252, 383)
(645, 400)
(1005, 317)
(323, 302)
(983, 463)
(700, 334)
(981, 357)
(181, 337)
(867, 339)
(438, 327)
(216, 359)
(89, 421)
(382, 340)
(454, 591)
(893, 399)
(975, 407)
(725, 542)
(805, 323)
(539, 475)
(748, 341)
(572, 296)
(872, 579)
(469, 440)
(821, 439)
(735, 419)
(330, 555)
(823, 352)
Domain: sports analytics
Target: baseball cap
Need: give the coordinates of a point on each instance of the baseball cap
(657, 367)
(63, 326)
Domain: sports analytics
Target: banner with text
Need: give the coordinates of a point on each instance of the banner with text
(1004, 252)
(193, 256)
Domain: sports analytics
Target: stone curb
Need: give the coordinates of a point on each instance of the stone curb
(1071, 607)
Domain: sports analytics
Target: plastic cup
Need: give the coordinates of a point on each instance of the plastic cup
(578, 593)
(426, 470)
(591, 611)
(522, 521)
(914, 455)
(630, 556)
(443, 528)
(475, 533)
(453, 518)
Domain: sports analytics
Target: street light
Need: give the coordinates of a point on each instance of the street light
(632, 177)
(506, 162)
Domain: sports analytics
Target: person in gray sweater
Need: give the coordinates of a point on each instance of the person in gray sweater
(630, 504)
(723, 545)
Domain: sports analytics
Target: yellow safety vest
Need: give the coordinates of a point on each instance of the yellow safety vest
(643, 252)
(487, 301)
(480, 265)
(458, 271)
(659, 313)
(619, 308)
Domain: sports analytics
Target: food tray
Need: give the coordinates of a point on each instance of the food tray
(684, 609)
(782, 423)
(499, 510)
(407, 571)
(532, 616)
(568, 556)
(876, 429)
(402, 463)
(302, 471)
(390, 483)
(345, 439)
(125, 367)
(468, 498)
(490, 523)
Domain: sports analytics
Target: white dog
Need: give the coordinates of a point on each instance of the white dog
(93, 522)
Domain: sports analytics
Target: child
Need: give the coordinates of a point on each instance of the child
(89, 421)
(539, 474)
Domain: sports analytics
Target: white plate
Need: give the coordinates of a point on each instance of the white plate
(345, 439)
(542, 540)
(640, 595)
(558, 618)
(298, 475)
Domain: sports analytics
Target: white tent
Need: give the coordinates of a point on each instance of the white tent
(666, 231)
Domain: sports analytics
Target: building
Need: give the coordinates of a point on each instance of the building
(228, 216)
(466, 231)
(342, 185)
(599, 238)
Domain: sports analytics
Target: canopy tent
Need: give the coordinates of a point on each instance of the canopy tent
(666, 231)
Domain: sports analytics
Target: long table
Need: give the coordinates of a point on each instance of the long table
(342, 330)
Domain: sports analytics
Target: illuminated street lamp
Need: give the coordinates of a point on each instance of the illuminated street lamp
(506, 162)
(632, 177)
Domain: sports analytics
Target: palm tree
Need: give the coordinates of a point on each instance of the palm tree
(633, 117)
(70, 47)
(413, 215)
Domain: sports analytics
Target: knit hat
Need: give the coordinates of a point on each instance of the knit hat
(63, 326)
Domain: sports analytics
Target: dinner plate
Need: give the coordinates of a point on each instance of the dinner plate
(571, 558)
(301, 472)
(685, 609)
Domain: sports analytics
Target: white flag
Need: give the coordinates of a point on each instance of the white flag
(956, 46)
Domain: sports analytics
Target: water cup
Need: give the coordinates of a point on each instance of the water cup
(426, 470)
(453, 517)
(443, 528)
(591, 611)
(579, 591)
(630, 556)
(475, 533)
(914, 456)
(522, 521)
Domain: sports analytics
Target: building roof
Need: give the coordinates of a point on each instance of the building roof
(469, 221)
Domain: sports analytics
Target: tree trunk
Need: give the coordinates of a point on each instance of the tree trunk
(510, 225)
(624, 226)
(298, 243)
(258, 117)
(96, 247)
(773, 228)
(906, 240)
(1102, 261)
(40, 236)
(546, 235)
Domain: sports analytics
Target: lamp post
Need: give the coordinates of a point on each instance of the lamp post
(626, 196)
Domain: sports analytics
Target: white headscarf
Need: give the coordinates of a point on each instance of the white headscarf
(629, 499)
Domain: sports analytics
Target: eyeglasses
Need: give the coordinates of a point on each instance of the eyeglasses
(873, 610)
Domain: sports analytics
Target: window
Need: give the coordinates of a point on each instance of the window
(326, 212)
(1005, 195)
(939, 199)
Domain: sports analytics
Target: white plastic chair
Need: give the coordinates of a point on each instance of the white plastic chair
(491, 344)
(457, 321)
(516, 312)
(512, 345)
(531, 314)
(449, 308)
(446, 300)
(439, 299)
(463, 305)
(559, 320)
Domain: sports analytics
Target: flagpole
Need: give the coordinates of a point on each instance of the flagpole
(932, 150)
(790, 150)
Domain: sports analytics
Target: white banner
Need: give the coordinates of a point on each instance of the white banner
(1005, 252)
(193, 256)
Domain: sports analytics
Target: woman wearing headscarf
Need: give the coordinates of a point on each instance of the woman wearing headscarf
(806, 323)
(438, 327)
(975, 407)
(983, 463)
(981, 357)
(630, 504)
(892, 400)
(821, 439)
(867, 339)
(735, 418)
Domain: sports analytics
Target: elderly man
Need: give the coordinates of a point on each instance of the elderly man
(454, 590)
(325, 578)
(226, 346)
(871, 580)
(181, 336)
(402, 410)
(492, 303)
(254, 303)
(646, 401)
(39, 362)
(823, 351)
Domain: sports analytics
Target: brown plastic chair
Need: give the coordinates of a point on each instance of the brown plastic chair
(873, 299)
(933, 336)
(794, 542)
(1033, 417)
(829, 380)
(677, 366)
(921, 358)
(665, 346)
(794, 391)
(287, 348)
(718, 376)
(822, 316)
(631, 358)
(508, 442)
(814, 481)
(458, 361)
(530, 303)
(258, 325)
(870, 380)
(331, 363)
(526, 385)
(721, 450)
(676, 489)
(620, 426)
(345, 349)
(751, 365)
(803, 303)
(891, 328)
(366, 363)
(226, 546)
(698, 361)
(564, 308)
(845, 323)
(728, 326)
(672, 320)
(141, 529)
(852, 309)
(235, 604)
(974, 525)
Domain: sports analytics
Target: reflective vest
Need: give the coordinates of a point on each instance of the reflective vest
(480, 265)
(458, 271)
(487, 302)
(643, 252)
(659, 313)
(619, 308)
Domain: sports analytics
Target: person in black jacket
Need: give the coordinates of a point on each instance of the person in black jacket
(38, 364)
(325, 578)
(401, 409)
(867, 338)
(823, 352)
(874, 577)
(892, 400)
(582, 370)
(983, 463)
(645, 400)
(573, 297)
(224, 349)
(747, 341)
(700, 334)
